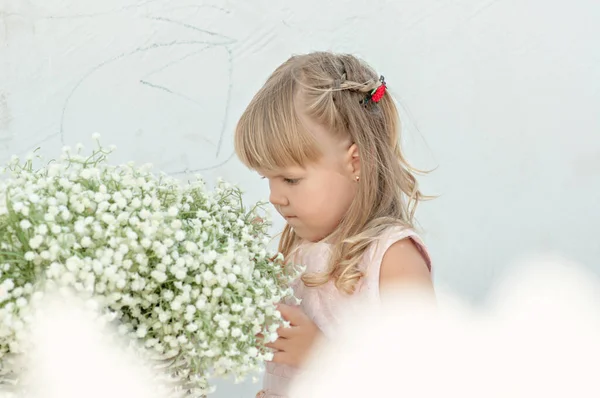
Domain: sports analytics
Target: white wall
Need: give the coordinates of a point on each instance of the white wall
(502, 96)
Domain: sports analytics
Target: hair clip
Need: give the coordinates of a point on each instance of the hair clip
(376, 94)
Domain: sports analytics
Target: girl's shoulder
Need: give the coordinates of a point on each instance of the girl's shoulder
(390, 236)
(373, 256)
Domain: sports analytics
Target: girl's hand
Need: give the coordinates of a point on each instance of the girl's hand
(294, 343)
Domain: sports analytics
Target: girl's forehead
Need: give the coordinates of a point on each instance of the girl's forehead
(326, 163)
(282, 171)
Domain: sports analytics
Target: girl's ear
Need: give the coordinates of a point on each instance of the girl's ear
(353, 161)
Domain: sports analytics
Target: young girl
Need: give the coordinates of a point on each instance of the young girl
(325, 133)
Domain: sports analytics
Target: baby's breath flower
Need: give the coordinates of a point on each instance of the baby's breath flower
(180, 267)
(159, 276)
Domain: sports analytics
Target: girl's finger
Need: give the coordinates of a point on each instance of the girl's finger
(292, 313)
(279, 344)
(282, 357)
(286, 333)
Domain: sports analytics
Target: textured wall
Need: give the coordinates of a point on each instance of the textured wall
(501, 96)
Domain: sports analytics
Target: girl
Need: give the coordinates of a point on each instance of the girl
(325, 133)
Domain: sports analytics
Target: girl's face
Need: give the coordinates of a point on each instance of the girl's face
(313, 199)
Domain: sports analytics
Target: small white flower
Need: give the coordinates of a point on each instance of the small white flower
(66, 215)
(21, 302)
(150, 343)
(176, 305)
(182, 339)
(159, 276)
(108, 219)
(176, 224)
(42, 229)
(136, 203)
(86, 242)
(271, 337)
(121, 283)
(180, 235)
(25, 224)
(190, 247)
(224, 324)
(180, 274)
(17, 292)
(8, 284)
(231, 278)
(141, 331)
(267, 357)
(201, 303)
(190, 309)
(168, 295)
(80, 227)
(144, 214)
(164, 317)
(72, 263)
(209, 353)
(100, 287)
(160, 348)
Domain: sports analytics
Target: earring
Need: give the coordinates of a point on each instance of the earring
(357, 178)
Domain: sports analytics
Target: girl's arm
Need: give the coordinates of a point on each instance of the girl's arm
(403, 265)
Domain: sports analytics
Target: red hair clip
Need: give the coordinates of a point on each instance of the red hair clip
(376, 94)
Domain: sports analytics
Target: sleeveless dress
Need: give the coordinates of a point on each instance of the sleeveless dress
(324, 304)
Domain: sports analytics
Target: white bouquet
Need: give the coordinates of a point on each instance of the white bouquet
(181, 269)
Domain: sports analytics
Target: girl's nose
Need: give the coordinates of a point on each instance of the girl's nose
(276, 197)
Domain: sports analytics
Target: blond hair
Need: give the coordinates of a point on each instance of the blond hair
(270, 136)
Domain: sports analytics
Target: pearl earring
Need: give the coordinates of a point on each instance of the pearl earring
(357, 178)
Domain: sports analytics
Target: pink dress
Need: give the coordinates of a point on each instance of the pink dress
(324, 304)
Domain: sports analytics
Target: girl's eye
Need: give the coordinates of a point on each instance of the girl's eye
(291, 181)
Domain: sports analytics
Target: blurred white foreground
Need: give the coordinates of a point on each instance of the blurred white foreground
(539, 336)
(74, 355)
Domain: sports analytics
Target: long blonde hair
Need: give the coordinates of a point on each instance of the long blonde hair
(270, 135)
